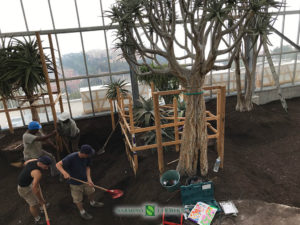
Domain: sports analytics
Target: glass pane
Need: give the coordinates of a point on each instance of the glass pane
(79, 98)
(37, 15)
(89, 14)
(11, 17)
(297, 74)
(107, 7)
(72, 57)
(291, 27)
(61, 19)
(292, 5)
(274, 38)
(286, 72)
(95, 50)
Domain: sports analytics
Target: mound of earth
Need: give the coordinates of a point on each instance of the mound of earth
(262, 162)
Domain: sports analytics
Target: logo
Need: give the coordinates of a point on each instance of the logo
(150, 210)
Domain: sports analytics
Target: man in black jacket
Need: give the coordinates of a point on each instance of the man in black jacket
(29, 185)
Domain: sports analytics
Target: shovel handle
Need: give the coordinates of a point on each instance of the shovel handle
(84, 182)
(45, 209)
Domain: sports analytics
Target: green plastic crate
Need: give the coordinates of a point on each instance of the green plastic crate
(200, 192)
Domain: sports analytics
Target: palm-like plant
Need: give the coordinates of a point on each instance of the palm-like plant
(21, 70)
(112, 88)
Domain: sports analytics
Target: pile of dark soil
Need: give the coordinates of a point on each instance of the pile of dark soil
(262, 160)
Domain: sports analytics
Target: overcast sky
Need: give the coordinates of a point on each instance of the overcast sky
(64, 13)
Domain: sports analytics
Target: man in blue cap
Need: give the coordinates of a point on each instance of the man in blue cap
(77, 165)
(32, 141)
(29, 185)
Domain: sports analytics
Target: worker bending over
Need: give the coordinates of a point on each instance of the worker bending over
(77, 165)
(29, 185)
(69, 132)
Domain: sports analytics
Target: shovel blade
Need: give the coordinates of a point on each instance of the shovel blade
(115, 193)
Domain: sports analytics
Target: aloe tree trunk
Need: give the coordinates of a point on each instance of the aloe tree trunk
(194, 140)
(34, 112)
(240, 98)
(274, 74)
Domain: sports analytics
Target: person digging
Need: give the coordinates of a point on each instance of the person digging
(77, 165)
(29, 185)
(32, 141)
(69, 132)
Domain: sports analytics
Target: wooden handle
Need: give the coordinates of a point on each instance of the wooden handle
(45, 209)
(84, 182)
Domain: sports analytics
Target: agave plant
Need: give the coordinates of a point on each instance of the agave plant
(112, 88)
(144, 117)
(144, 113)
(21, 70)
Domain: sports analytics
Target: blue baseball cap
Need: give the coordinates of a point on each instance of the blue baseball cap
(87, 149)
(34, 125)
(45, 160)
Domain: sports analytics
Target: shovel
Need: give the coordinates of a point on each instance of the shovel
(114, 193)
(102, 150)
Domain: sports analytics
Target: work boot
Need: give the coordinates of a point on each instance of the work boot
(86, 216)
(96, 204)
(40, 221)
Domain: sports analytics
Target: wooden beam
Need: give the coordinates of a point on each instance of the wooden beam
(158, 134)
(211, 128)
(171, 92)
(112, 116)
(176, 122)
(58, 98)
(56, 73)
(45, 70)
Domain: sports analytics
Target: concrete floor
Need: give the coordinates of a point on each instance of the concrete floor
(252, 212)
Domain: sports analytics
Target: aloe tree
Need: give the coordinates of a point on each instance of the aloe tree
(150, 27)
(23, 72)
(259, 29)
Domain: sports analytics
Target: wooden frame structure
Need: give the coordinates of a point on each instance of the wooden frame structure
(22, 99)
(129, 129)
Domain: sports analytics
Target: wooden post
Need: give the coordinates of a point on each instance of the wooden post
(152, 88)
(175, 122)
(221, 98)
(118, 98)
(11, 129)
(45, 70)
(158, 133)
(112, 114)
(131, 121)
(122, 103)
(55, 73)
